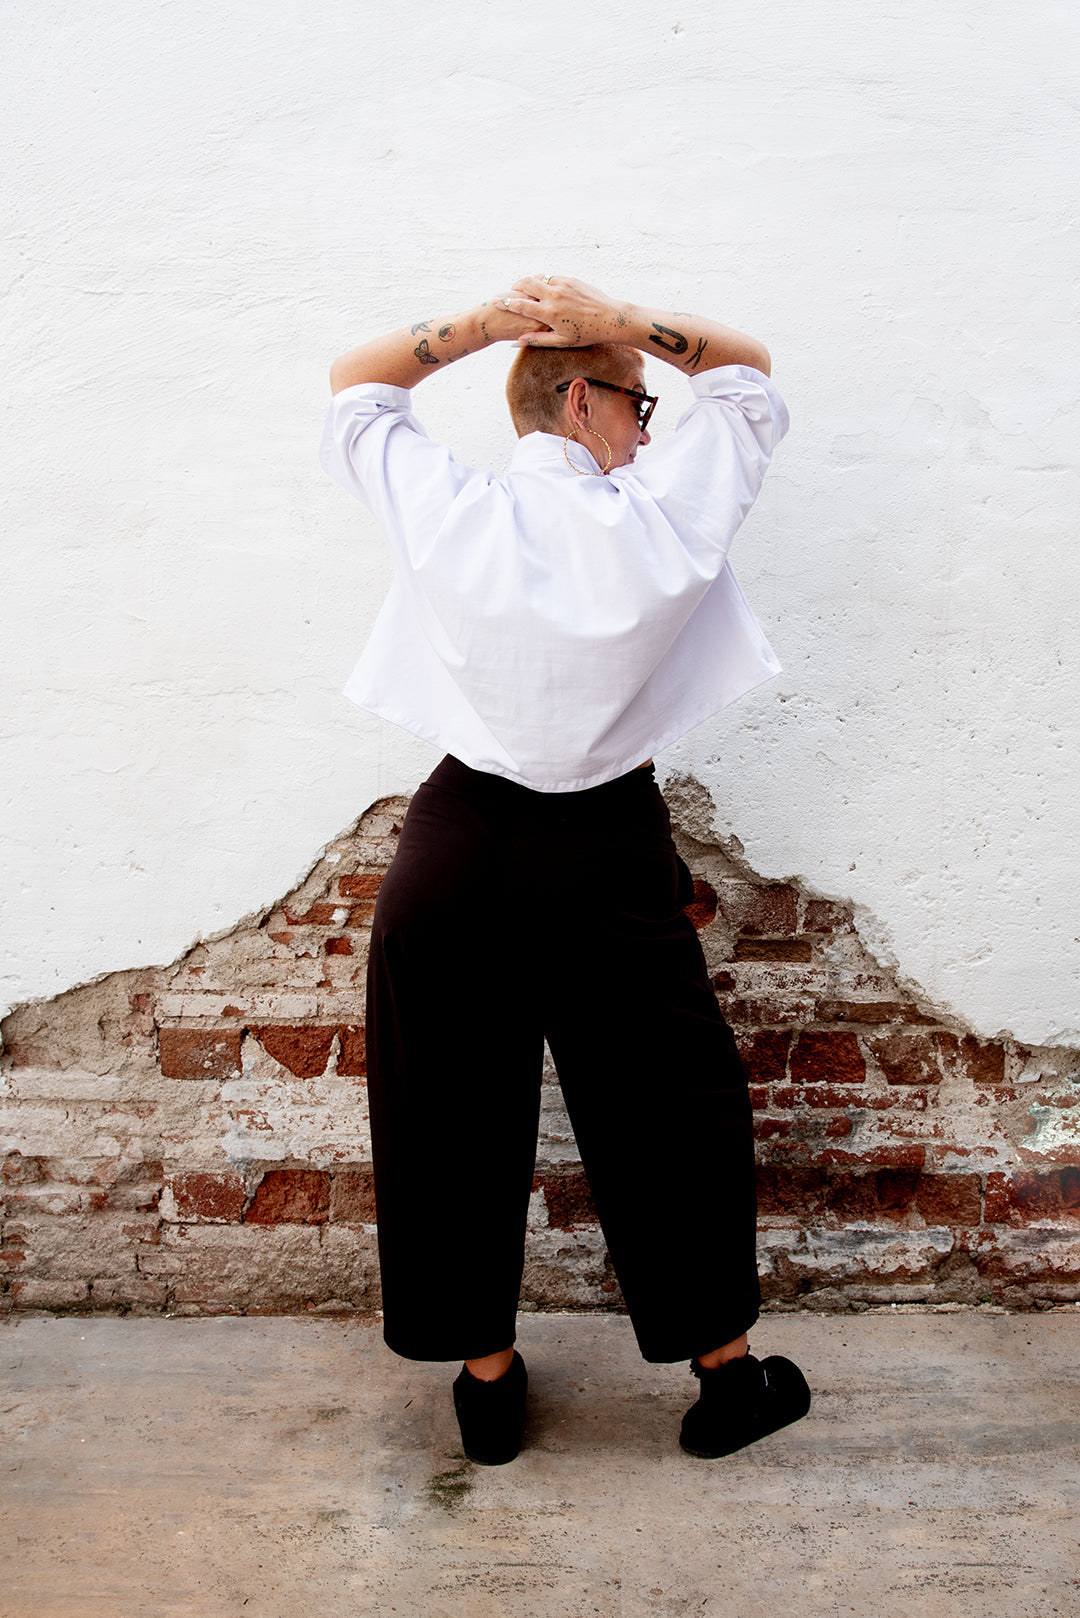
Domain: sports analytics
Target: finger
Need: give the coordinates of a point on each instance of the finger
(535, 285)
(544, 339)
(521, 306)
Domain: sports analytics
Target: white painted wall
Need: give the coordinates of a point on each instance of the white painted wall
(202, 204)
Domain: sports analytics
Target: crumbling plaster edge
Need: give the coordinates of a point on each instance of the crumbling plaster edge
(253, 918)
(695, 812)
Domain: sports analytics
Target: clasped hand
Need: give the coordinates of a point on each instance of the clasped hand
(568, 313)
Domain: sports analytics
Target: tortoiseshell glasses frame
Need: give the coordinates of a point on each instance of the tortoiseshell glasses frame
(646, 402)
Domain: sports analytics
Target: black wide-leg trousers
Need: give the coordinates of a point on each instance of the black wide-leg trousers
(510, 916)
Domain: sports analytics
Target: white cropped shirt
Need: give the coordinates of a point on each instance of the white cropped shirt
(551, 628)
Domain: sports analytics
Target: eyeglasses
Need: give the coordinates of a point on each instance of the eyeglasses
(646, 402)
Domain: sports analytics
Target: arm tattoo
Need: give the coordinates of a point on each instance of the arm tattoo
(692, 362)
(424, 354)
(421, 325)
(447, 333)
(678, 346)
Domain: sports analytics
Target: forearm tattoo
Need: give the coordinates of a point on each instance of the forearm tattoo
(421, 325)
(678, 344)
(447, 333)
(424, 354)
(691, 363)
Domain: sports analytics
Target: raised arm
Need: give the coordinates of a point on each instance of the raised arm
(404, 358)
(576, 314)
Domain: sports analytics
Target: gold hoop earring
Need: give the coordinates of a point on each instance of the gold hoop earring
(577, 469)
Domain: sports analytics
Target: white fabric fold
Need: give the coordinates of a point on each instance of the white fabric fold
(552, 628)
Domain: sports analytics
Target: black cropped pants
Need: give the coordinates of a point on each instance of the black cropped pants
(510, 916)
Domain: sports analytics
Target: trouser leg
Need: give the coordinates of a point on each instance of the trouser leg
(455, 1055)
(656, 1093)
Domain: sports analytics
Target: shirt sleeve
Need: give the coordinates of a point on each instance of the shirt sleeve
(376, 449)
(708, 474)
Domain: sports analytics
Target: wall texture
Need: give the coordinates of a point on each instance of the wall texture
(203, 204)
(193, 1139)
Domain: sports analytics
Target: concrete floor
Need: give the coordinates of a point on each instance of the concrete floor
(279, 1467)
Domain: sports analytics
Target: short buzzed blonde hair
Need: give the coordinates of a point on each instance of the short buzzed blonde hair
(535, 407)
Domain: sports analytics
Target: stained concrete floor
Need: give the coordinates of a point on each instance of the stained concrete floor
(279, 1467)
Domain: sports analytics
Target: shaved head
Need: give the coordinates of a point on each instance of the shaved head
(535, 407)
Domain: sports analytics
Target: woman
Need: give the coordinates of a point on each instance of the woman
(551, 629)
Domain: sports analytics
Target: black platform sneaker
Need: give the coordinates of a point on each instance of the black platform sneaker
(491, 1415)
(740, 1402)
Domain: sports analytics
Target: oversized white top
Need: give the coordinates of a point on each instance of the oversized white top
(556, 629)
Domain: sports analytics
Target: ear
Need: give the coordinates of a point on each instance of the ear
(577, 402)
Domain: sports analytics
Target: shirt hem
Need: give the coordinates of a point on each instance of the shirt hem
(574, 783)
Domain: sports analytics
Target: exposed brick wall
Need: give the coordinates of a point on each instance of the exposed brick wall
(193, 1138)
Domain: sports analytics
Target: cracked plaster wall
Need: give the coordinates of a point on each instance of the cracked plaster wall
(193, 1138)
(200, 214)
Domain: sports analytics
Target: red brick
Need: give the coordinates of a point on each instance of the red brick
(352, 1197)
(818, 1097)
(824, 1097)
(1051, 1194)
(282, 938)
(359, 887)
(822, 916)
(352, 1063)
(318, 916)
(568, 1198)
(756, 1012)
(888, 1194)
(1057, 1154)
(896, 1156)
(896, 1190)
(827, 1059)
(772, 949)
(783, 1189)
(950, 1199)
(702, 907)
(757, 910)
(291, 1196)
(867, 1011)
(998, 1198)
(982, 1062)
(362, 915)
(765, 1055)
(771, 1128)
(304, 1050)
(338, 946)
(723, 981)
(906, 1058)
(208, 1198)
(759, 1097)
(199, 1053)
